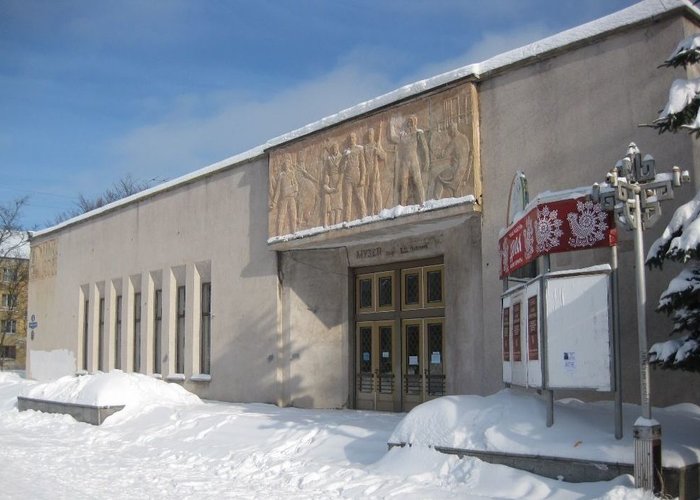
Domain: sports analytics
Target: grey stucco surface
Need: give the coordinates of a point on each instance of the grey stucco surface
(565, 121)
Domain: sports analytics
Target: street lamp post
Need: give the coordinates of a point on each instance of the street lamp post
(634, 192)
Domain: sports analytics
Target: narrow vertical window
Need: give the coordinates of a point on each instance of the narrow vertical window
(205, 334)
(434, 286)
(118, 334)
(100, 336)
(385, 291)
(137, 332)
(9, 301)
(180, 331)
(158, 322)
(365, 299)
(85, 334)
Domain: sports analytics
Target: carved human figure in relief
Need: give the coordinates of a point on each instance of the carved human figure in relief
(332, 186)
(411, 154)
(284, 198)
(354, 178)
(374, 155)
(308, 193)
(450, 181)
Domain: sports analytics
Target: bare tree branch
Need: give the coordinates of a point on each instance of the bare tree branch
(126, 186)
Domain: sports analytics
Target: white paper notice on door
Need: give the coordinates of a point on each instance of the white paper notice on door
(413, 360)
(435, 358)
(385, 354)
(365, 356)
(570, 361)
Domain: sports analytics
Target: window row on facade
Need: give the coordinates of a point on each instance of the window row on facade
(157, 322)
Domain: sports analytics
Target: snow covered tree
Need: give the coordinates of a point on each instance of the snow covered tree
(14, 276)
(680, 241)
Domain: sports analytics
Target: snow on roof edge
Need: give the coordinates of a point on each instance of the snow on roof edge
(398, 211)
(636, 13)
(183, 179)
(639, 12)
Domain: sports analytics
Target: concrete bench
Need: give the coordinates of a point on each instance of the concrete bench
(89, 414)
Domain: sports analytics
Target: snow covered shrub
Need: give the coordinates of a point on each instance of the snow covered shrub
(680, 241)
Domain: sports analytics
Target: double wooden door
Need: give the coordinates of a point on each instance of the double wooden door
(399, 338)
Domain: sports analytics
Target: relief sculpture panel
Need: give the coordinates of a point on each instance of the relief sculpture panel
(422, 150)
(43, 260)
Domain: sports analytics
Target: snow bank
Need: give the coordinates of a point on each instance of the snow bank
(514, 421)
(419, 464)
(11, 385)
(115, 388)
(216, 450)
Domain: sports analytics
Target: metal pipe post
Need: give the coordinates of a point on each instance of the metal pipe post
(647, 432)
(617, 351)
(644, 379)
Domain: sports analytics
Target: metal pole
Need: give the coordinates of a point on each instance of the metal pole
(617, 351)
(647, 432)
(641, 309)
(545, 267)
(549, 399)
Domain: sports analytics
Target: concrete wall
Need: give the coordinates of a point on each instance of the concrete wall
(213, 229)
(314, 329)
(464, 320)
(565, 121)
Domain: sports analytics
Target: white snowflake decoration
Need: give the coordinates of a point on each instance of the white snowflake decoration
(548, 232)
(588, 226)
(529, 239)
(504, 255)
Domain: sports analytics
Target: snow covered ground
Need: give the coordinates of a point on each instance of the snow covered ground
(167, 443)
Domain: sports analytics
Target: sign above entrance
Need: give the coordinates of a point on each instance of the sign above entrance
(561, 225)
(425, 149)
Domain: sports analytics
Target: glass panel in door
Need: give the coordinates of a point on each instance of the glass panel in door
(435, 363)
(412, 364)
(376, 351)
(386, 365)
(364, 343)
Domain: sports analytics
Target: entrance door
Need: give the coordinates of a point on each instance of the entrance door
(399, 335)
(377, 348)
(423, 360)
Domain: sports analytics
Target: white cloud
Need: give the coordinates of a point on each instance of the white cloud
(202, 129)
(489, 45)
(185, 140)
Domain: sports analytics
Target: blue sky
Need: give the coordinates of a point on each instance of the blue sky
(93, 90)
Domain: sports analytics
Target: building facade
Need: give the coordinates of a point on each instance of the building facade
(355, 262)
(13, 309)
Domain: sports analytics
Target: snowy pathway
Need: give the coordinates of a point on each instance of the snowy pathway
(215, 450)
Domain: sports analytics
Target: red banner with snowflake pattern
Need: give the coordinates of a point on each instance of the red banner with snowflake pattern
(556, 226)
